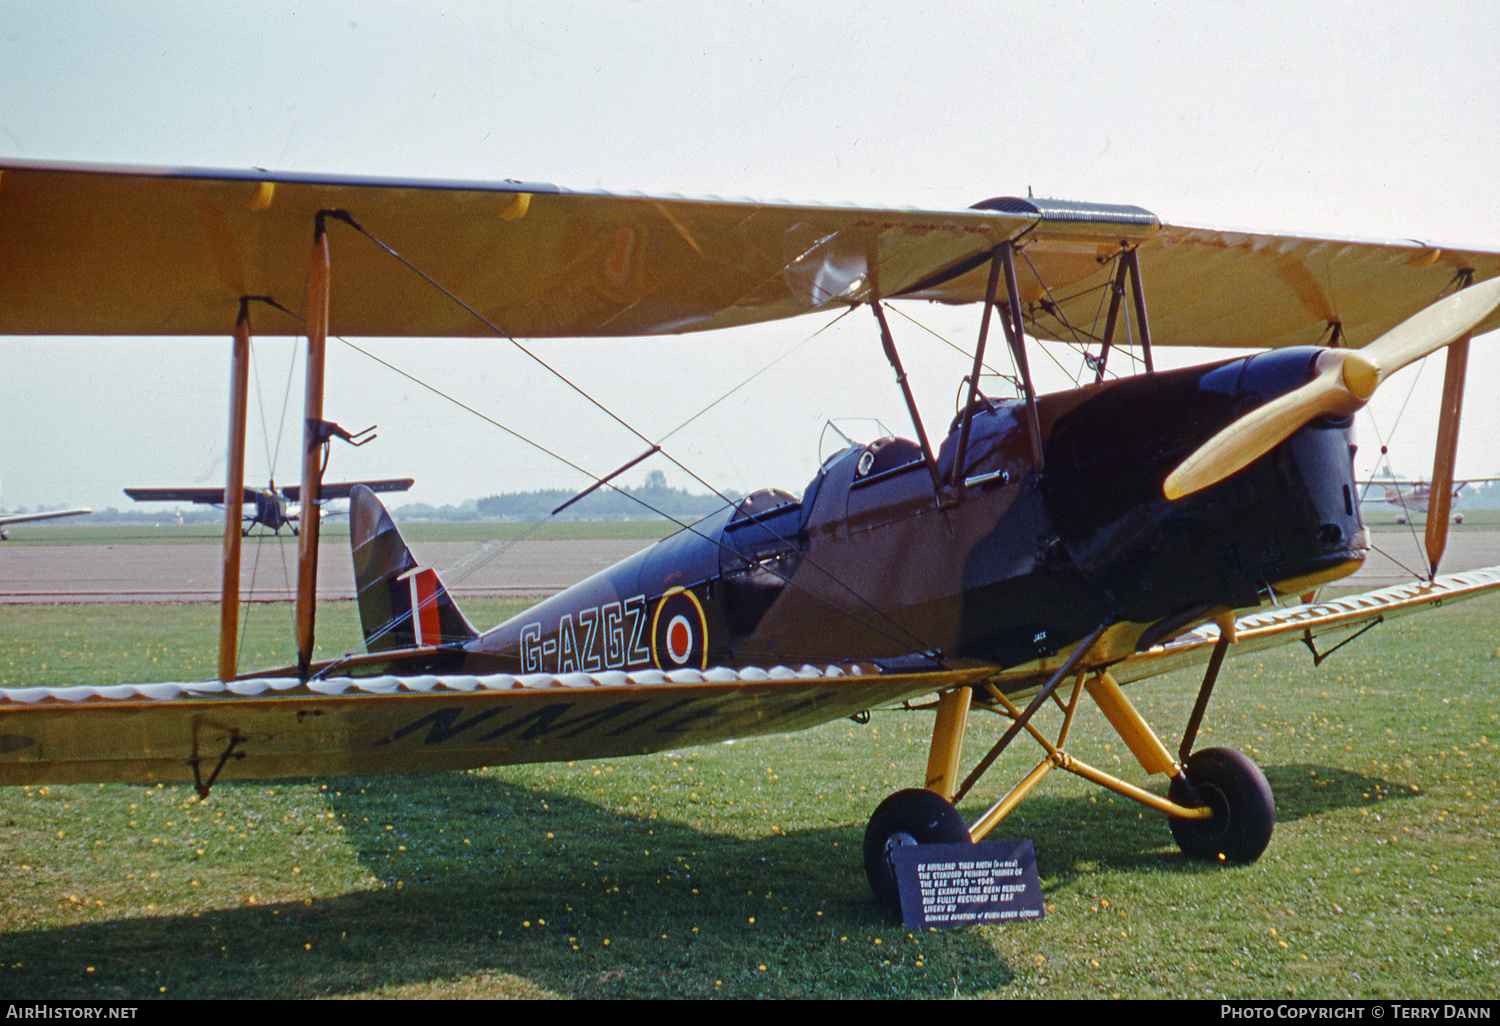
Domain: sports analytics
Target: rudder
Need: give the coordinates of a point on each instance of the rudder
(392, 587)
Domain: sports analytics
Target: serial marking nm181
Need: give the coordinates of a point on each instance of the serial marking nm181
(1050, 546)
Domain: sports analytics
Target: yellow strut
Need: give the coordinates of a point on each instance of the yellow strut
(948, 741)
(1134, 731)
(234, 496)
(312, 470)
(1440, 493)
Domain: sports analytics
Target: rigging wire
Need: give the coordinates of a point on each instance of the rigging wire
(1056, 311)
(1385, 455)
(1015, 382)
(757, 374)
(272, 455)
(922, 644)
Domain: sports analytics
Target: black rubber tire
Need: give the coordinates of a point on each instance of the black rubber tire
(1244, 808)
(913, 816)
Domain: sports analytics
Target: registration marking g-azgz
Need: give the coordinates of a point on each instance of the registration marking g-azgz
(607, 637)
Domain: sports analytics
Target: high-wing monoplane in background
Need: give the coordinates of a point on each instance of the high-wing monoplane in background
(7, 519)
(1413, 497)
(1050, 547)
(275, 508)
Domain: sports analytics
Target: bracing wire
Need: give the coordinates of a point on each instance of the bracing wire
(1015, 382)
(922, 644)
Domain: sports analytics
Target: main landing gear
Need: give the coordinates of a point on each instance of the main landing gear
(1244, 811)
(913, 816)
(1219, 805)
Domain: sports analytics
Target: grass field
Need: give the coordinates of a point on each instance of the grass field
(1474, 520)
(333, 531)
(66, 533)
(734, 870)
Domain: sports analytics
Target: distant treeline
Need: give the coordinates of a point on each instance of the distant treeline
(604, 504)
(1480, 497)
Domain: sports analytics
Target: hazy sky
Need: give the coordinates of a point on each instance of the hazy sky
(1368, 120)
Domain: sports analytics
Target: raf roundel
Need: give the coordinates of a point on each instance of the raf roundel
(679, 632)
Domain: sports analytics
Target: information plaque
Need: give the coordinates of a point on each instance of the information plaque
(944, 885)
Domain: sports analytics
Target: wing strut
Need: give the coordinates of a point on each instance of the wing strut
(911, 404)
(956, 474)
(1116, 296)
(234, 494)
(1129, 267)
(1440, 503)
(1010, 316)
(312, 444)
(1138, 293)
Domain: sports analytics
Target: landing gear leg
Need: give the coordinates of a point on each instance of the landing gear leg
(921, 815)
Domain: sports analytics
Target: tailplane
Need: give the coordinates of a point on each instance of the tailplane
(401, 605)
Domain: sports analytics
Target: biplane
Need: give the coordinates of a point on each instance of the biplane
(273, 507)
(1048, 548)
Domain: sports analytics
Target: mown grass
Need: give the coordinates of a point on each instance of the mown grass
(734, 870)
(1385, 521)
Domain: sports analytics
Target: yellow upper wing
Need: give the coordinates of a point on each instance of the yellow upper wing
(150, 251)
(1216, 287)
(153, 252)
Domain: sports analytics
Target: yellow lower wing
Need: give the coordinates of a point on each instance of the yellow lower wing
(279, 727)
(1322, 624)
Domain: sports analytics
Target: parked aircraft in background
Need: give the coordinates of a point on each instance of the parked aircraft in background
(8, 519)
(274, 507)
(1414, 496)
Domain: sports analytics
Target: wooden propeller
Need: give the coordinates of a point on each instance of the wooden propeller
(1344, 382)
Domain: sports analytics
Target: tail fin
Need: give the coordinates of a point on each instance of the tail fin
(392, 587)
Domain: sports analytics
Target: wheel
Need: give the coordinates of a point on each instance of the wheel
(1244, 808)
(913, 816)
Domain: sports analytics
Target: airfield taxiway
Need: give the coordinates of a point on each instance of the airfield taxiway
(190, 572)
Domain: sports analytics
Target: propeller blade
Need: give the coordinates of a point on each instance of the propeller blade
(1434, 327)
(1265, 427)
(1346, 378)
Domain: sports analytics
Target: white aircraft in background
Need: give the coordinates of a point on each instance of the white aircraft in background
(7, 519)
(1413, 496)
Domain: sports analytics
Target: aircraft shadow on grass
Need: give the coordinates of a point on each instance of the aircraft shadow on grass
(1076, 836)
(450, 910)
(1308, 789)
(454, 911)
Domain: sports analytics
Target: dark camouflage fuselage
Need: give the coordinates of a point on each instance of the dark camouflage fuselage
(866, 566)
